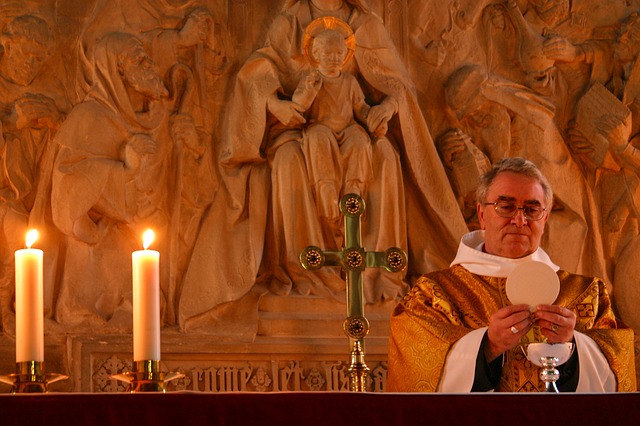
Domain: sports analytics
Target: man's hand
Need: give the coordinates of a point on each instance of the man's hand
(556, 322)
(506, 327)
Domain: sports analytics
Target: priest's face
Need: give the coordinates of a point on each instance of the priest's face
(517, 236)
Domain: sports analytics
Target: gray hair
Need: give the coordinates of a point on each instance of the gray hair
(517, 165)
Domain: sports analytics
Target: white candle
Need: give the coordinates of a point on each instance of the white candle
(146, 302)
(29, 302)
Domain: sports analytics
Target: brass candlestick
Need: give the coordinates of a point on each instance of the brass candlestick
(31, 378)
(147, 377)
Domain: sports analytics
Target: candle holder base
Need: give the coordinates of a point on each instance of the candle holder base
(31, 378)
(147, 377)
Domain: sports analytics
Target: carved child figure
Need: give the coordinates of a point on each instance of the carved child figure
(336, 147)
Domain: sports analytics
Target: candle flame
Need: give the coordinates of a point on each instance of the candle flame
(32, 236)
(147, 238)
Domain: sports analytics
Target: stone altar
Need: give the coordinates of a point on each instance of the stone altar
(184, 122)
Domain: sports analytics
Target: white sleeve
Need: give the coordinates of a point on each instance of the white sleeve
(459, 369)
(595, 373)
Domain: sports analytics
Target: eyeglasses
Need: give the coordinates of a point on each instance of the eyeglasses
(509, 210)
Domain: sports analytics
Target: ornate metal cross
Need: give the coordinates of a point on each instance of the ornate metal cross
(354, 260)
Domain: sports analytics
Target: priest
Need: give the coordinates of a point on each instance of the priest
(456, 330)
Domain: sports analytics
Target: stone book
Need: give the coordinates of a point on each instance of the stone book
(597, 104)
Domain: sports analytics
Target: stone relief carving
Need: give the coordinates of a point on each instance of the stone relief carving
(34, 103)
(104, 185)
(182, 115)
(192, 50)
(267, 195)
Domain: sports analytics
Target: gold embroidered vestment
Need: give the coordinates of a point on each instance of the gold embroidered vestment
(445, 305)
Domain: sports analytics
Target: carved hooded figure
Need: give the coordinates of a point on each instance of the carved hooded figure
(103, 174)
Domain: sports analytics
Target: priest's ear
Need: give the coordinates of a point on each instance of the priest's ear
(480, 209)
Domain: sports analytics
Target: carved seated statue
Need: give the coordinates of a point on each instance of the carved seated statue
(270, 207)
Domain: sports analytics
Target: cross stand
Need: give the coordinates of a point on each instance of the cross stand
(353, 259)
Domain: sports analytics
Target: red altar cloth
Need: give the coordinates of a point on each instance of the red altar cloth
(317, 408)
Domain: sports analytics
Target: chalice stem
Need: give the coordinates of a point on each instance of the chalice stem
(549, 374)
